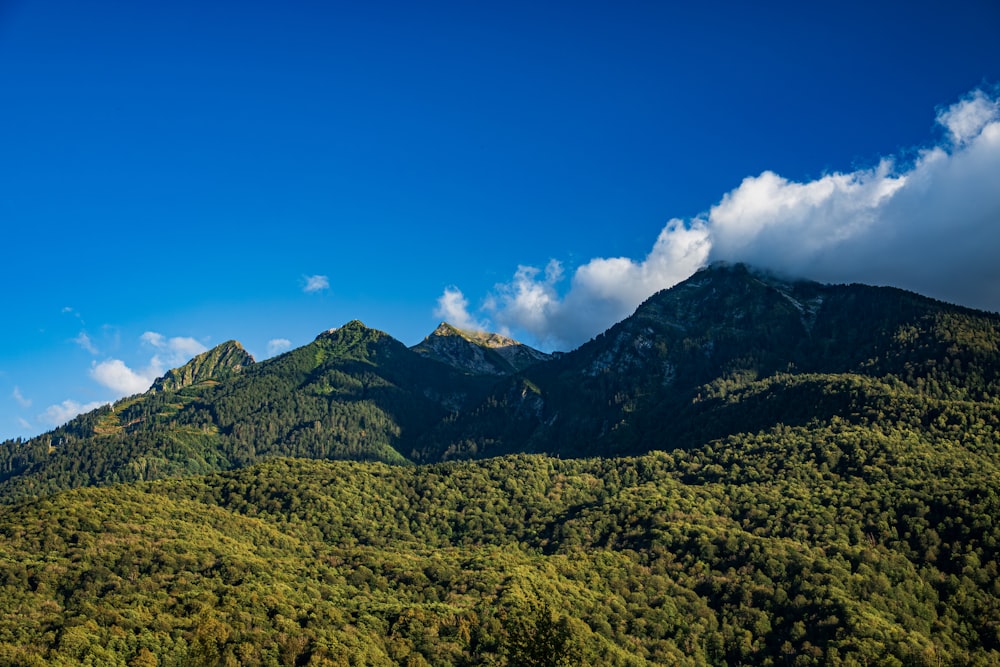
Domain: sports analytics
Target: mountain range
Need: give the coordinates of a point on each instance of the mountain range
(730, 350)
(750, 469)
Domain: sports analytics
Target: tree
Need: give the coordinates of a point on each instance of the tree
(536, 638)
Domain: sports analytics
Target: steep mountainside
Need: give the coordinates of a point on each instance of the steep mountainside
(478, 352)
(731, 350)
(219, 363)
(353, 393)
(748, 471)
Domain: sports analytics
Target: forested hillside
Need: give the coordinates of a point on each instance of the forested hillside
(353, 393)
(747, 471)
(833, 545)
(729, 351)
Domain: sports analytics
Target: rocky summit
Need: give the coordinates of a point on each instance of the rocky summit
(478, 352)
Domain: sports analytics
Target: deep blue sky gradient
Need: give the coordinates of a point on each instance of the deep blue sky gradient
(182, 167)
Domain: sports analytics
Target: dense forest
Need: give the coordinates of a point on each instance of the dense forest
(746, 471)
(836, 545)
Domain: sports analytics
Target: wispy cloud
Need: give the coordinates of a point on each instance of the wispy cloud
(19, 397)
(83, 340)
(277, 346)
(61, 413)
(931, 224)
(172, 351)
(154, 339)
(453, 308)
(316, 284)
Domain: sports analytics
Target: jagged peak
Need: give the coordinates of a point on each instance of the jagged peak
(221, 361)
(447, 329)
(482, 338)
(478, 351)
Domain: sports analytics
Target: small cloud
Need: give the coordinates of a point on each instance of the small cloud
(19, 397)
(183, 348)
(176, 351)
(316, 284)
(56, 415)
(117, 376)
(23, 423)
(966, 119)
(83, 340)
(153, 338)
(453, 308)
(277, 345)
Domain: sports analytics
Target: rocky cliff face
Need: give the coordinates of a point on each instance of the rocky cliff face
(478, 353)
(220, 362)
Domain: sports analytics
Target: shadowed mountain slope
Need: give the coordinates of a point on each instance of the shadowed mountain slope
(731, 350)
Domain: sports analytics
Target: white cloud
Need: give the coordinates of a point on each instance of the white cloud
(24, 423)
(19, 397)
(119, 377)
(83, 340)
(316, 284)
(183, 348)
(931, 225)
(601, 292)
(453, 308)
(115, 375)
(174, 351)
(277, 345)
(771, 221)
(153, 338)
(56, 415)
(966, 119)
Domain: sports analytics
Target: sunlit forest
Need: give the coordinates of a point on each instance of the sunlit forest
(782, 475)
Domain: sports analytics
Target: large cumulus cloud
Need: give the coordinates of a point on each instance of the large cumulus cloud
(930, 224)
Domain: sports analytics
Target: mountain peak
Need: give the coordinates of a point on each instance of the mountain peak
(478, 352)
(446, 329)
(221, 361)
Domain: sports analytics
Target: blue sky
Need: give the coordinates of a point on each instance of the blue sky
(174, 175)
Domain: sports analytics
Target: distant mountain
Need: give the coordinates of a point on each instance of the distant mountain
(730, 350)
(478, 352)
(353, 393)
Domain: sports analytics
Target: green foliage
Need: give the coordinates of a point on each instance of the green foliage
(753, 472)
(812, 545)
(535, 638)
(729, 351)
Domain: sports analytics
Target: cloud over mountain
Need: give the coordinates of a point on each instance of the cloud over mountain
(453, 307)
(931, 224)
